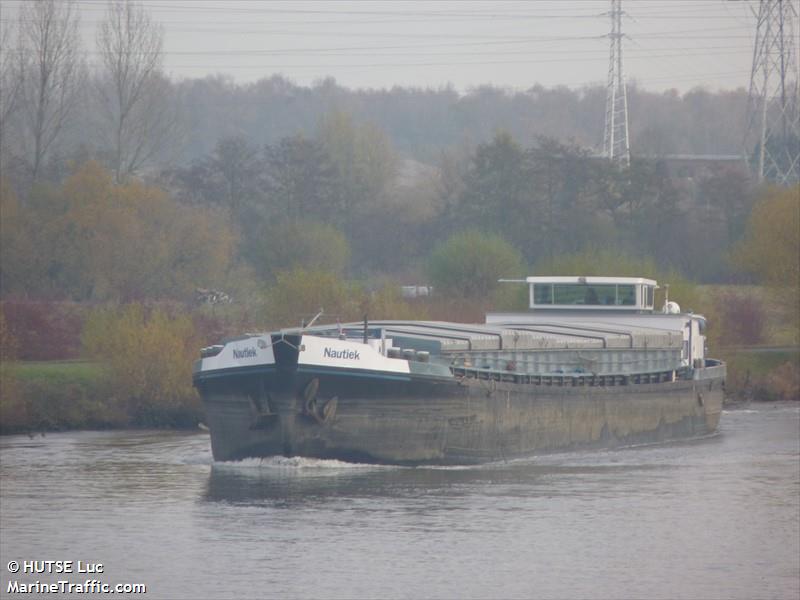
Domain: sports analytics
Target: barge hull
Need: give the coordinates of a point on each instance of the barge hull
(416, 420)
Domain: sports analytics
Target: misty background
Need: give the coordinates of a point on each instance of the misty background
(670, 44)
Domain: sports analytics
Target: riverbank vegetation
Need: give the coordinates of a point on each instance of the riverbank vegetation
(249, 207)
(109, 290)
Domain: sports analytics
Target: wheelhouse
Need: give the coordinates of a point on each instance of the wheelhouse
(591, 293)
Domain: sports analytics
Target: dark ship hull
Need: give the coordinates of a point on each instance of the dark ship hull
(431, 414)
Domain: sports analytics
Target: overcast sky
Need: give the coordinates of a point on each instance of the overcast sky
(672, 43)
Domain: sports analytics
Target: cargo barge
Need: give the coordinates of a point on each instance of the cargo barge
(590, 364)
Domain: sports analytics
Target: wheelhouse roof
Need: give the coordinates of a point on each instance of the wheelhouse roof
(592, 280)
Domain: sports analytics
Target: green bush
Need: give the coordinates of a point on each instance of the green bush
(770, 250)
(148, 355)
(469, 264)
(12, 407)
(285, 246)
(758, 375)
(59, 400)
(57, 395)
(301, 293)
(387, 303)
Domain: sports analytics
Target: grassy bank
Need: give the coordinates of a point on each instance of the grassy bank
(59, 373)
(73, 394)
(52, 395)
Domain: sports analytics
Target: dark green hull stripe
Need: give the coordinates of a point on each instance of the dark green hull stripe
(235, 372)
(353, 373)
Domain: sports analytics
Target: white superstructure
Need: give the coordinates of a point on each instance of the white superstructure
(606, 301)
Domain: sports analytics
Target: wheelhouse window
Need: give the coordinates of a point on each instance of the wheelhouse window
(543, 293)
(591, 293)
(594, 295)
(574, 294)
(626, 295)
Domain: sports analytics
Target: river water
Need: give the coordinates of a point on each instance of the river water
(714, 518)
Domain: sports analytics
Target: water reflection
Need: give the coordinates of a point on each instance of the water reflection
(291, 487)
(295, 482)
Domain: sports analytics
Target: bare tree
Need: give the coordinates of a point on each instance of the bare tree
(134, 91)
(54, 74)
(11, 70)
(10, 89)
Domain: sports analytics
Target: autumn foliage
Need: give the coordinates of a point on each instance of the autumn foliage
(743, 317)
(45, 329)
(298, 295)
(771, 247)
(91, 239)
(12, 409)
(148, 354)
(772, 243)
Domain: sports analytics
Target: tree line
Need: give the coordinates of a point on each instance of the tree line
(362, 183)
(546, 200)
(338, 203)
(125, 112)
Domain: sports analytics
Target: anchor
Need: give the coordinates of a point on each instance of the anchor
(323, 411)
(263, 417)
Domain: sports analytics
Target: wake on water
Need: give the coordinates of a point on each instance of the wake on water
(294, 463)
(318, 466)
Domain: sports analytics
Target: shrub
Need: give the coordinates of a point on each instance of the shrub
(148, 354)
(8, 342)
(286, 246)
(469, 264)
(45, 330)
(65, 395)
(387, 303)
(772, 241)
(742, 319)
(771, 247)
(783, 383)
(12, 406)
(299, 294)
(760, 375)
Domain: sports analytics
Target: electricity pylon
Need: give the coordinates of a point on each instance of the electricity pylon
(616, 144)
(772, 138)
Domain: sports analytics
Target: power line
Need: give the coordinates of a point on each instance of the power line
(301, 24)
(531, 61)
